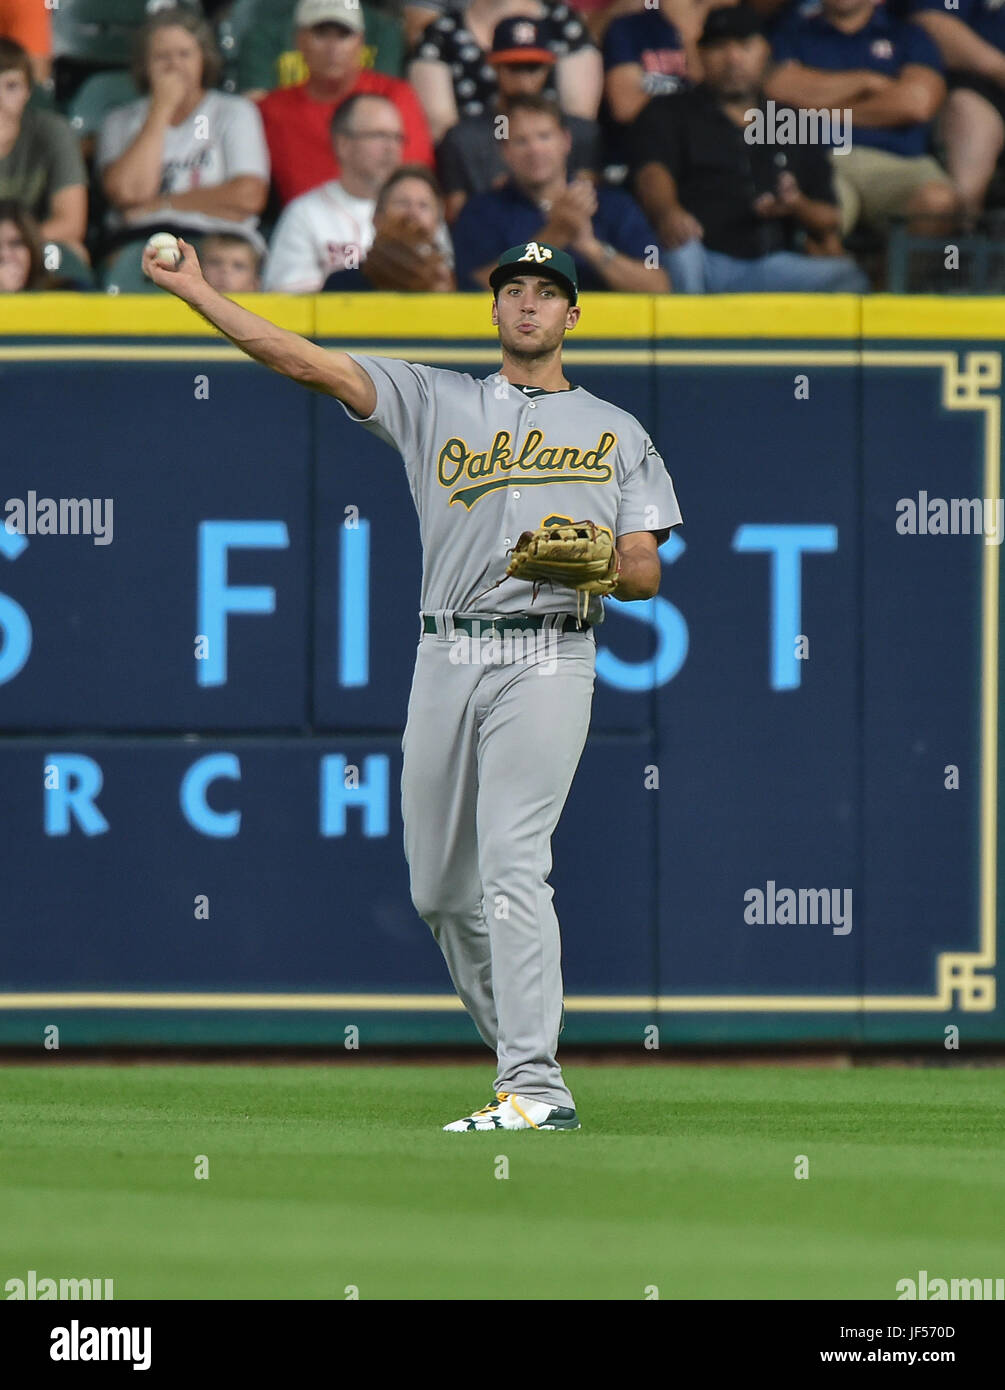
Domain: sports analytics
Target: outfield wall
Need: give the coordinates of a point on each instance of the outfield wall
(791, 425)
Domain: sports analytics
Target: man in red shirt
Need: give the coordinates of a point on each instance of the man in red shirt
(298, 119)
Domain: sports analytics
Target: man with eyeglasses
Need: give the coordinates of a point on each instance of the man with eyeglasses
(331, 228)
(297, 120)
(469, 157)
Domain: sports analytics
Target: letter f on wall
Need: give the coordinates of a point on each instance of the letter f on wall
(216, 598)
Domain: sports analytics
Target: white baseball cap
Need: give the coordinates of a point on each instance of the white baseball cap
(346, 12)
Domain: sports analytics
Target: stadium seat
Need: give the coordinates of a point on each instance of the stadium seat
(96, 97)
(234, 25)
(122, 272)
(43, 98)
(917, 264)
(96, 35)
(72, 273)
(100, 32)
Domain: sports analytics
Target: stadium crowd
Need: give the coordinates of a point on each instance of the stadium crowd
(667, 145)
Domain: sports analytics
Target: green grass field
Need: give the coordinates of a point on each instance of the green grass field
(323, 1177)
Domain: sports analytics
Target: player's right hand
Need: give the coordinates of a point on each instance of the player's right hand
(180, 281)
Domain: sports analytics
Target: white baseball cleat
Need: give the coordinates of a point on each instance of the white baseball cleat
(508, 1111)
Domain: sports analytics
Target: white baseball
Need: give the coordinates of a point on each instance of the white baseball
(166, 249)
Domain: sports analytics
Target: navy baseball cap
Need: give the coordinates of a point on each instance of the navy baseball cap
(729, 22)
(537, 258)
(519, 40)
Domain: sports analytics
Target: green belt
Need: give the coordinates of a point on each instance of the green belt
(517, 622)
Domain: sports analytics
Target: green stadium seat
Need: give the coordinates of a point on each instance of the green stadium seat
(232, 30)
(42, 98)
(99, 33)
(122, 272)
(97, 96)
(72, 272)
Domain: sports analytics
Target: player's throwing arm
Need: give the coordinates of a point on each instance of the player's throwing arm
(334, 373)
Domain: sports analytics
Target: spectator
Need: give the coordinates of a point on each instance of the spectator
(971, 41)
(411, 247)
(331, 227)
(183, 156)
(853, 56)
(731, 211)
(40, 162)
(298, 119)
(267, 55)
(645, 55)
(688, 16)
(29, 23)
(469, 156)
(450, 66)
(21, 256)
(596, 14)
(230, 263)
(602, 228)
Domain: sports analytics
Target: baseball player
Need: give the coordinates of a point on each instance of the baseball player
(503, 685)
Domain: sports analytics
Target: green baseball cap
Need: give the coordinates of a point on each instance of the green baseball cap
(537, 258)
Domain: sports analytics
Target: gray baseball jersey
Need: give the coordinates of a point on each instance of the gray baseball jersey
(487, 460)
(493, 737)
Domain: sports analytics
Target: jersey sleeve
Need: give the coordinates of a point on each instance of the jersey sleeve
(620, 44)
(785, 45)
(404, 402)
(648, 501)
(566, 32)
(66, 168)
(433, 44)
(920, 47)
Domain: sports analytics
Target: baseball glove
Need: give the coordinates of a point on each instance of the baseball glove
(579, 555)
(402, 257)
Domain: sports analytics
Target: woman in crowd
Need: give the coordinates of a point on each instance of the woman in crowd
(21, 256)
(183, 157)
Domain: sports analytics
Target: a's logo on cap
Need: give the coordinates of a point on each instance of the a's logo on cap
(524, 32)
(533, 252)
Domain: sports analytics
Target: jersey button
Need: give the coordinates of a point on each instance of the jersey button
(531, 404)
(516, 492)
(507, 541)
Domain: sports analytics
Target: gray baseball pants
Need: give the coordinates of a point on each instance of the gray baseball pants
(494, 734)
